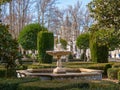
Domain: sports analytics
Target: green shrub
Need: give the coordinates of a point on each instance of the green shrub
(119, 75)
(100, 66)
(116, 65)
(53, 85)
(45, 42)
(8, 49)
(11, 73)
(35, 84)
(2, 72)
(99, 53)
(63, 43)
(69, 85)
(28, 36)
(107, 66)
(12, 84)
(113, 73)
(70, 56)
(104, 85)
(21, 67)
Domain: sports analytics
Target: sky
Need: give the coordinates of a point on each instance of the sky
(64, 3)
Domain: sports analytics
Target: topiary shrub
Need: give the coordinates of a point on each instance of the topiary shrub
(28, 36)
(99, 53)
(45, 42)
(113, 73)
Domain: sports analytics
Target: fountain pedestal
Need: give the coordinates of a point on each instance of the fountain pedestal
(58, 54)
(59, 68)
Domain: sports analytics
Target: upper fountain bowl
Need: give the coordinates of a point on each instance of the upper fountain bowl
(58, 53)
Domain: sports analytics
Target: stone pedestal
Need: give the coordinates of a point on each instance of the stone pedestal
(59, 68)
(58, 54)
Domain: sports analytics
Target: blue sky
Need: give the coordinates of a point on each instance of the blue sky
(65, 3)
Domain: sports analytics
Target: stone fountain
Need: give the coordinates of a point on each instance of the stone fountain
(59, 53)
(59, 72)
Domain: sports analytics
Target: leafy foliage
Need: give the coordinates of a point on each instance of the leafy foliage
(109, 38)
(106, 36)
(45, 41)
(102, 40)
(99, 49)
(28, 36)
(63, 43)
(8, 48)
(113, 73)
(83, 41)
(4, 1)
(106, 12)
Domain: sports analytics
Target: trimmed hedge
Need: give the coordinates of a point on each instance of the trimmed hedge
(2, 72)
(90, 65)
(113, 73)
(116, 65)
(68, 85)
(35, 84)
(12, 84)
(45, 42)
(99, 54)
(119, 75)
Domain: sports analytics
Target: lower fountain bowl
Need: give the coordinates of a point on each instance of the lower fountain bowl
(47, 74)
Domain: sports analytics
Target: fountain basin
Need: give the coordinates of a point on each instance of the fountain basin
(84, 74)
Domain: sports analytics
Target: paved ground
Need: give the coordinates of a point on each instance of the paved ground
(114, 59)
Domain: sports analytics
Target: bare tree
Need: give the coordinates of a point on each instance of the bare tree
(86, 21)
(74, 13)
(18, 15)
(45, 10)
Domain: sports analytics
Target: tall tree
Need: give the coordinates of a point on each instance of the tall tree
(44, 10)
(18, 15)
(106, 12)
(107, 27)
(83, 43)
(8, 50)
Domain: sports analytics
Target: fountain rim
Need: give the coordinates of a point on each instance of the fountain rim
(60, 52)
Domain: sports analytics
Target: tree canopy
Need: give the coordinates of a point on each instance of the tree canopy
(28, 36)
(8, 48)
(83, 41)
(106, 12)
